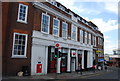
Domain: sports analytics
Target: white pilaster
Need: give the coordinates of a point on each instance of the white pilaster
(58, 65)
(68, 61)
(76, 59)
(88, 59)
(83, 59)
(91, 58)
(46, 58)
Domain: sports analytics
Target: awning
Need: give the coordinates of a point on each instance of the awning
(101, 60)
(98, 51)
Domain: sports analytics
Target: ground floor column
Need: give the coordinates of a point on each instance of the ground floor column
(89, 59)
(83, 59)
(76, 59)
(68, 61)
(91, 53)
(46, 59)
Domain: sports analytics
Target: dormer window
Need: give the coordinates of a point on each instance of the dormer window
(62, 8)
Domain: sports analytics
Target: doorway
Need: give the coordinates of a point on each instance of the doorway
(51, 60)
(85, 60)
(63, 62)
(72, 64)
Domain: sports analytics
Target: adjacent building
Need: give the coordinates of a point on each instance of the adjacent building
(116, 51)
(114, 59)
(34, 33)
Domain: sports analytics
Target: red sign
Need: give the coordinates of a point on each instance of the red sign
(57, 45)
(73, 53)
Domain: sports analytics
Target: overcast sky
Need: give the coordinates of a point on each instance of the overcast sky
(103, 13)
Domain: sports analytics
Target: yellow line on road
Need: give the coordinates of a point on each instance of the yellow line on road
(90, 75)
(93, 75)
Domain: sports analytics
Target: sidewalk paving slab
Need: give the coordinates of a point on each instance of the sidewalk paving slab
(71, 75)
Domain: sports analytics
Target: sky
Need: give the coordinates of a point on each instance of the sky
(103, 13)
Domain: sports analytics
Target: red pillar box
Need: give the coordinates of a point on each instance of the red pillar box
(39, 68)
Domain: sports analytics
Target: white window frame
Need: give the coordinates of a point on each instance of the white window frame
(81, 36)
(98, 41)
(85, 37)
(102, 41)
(58, 26)
(95, 40)
(48, 23)
(18, 20)
(72, 32)
(89, 39)
(66, 30)
(19, 56)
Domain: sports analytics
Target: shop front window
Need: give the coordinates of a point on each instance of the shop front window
(64, 60)
(79, 57)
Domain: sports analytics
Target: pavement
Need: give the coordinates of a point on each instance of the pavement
(72, 75)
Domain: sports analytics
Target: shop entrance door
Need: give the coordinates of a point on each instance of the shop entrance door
(63, 62)
(79, 58)
(73, 64)
(51, 60)
(85, 60)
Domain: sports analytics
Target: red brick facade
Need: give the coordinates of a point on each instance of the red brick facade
(10, 25)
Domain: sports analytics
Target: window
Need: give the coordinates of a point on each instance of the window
(102, 41)
(94, 40)
(89, 41)
(98, 40)
(45, 23)
(64, 30)
(19, 45)
(22, 13)
(81, 36)
(56, 27)
(85, 37)
(74, 33)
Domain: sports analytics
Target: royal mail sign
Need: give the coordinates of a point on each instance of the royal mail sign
(73, 53)
(57, 45)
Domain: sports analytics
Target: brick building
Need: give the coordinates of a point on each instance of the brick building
(31, 31)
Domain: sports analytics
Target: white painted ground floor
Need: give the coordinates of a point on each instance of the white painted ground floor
(72, 53)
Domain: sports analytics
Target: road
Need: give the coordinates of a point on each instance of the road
(113, 73)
